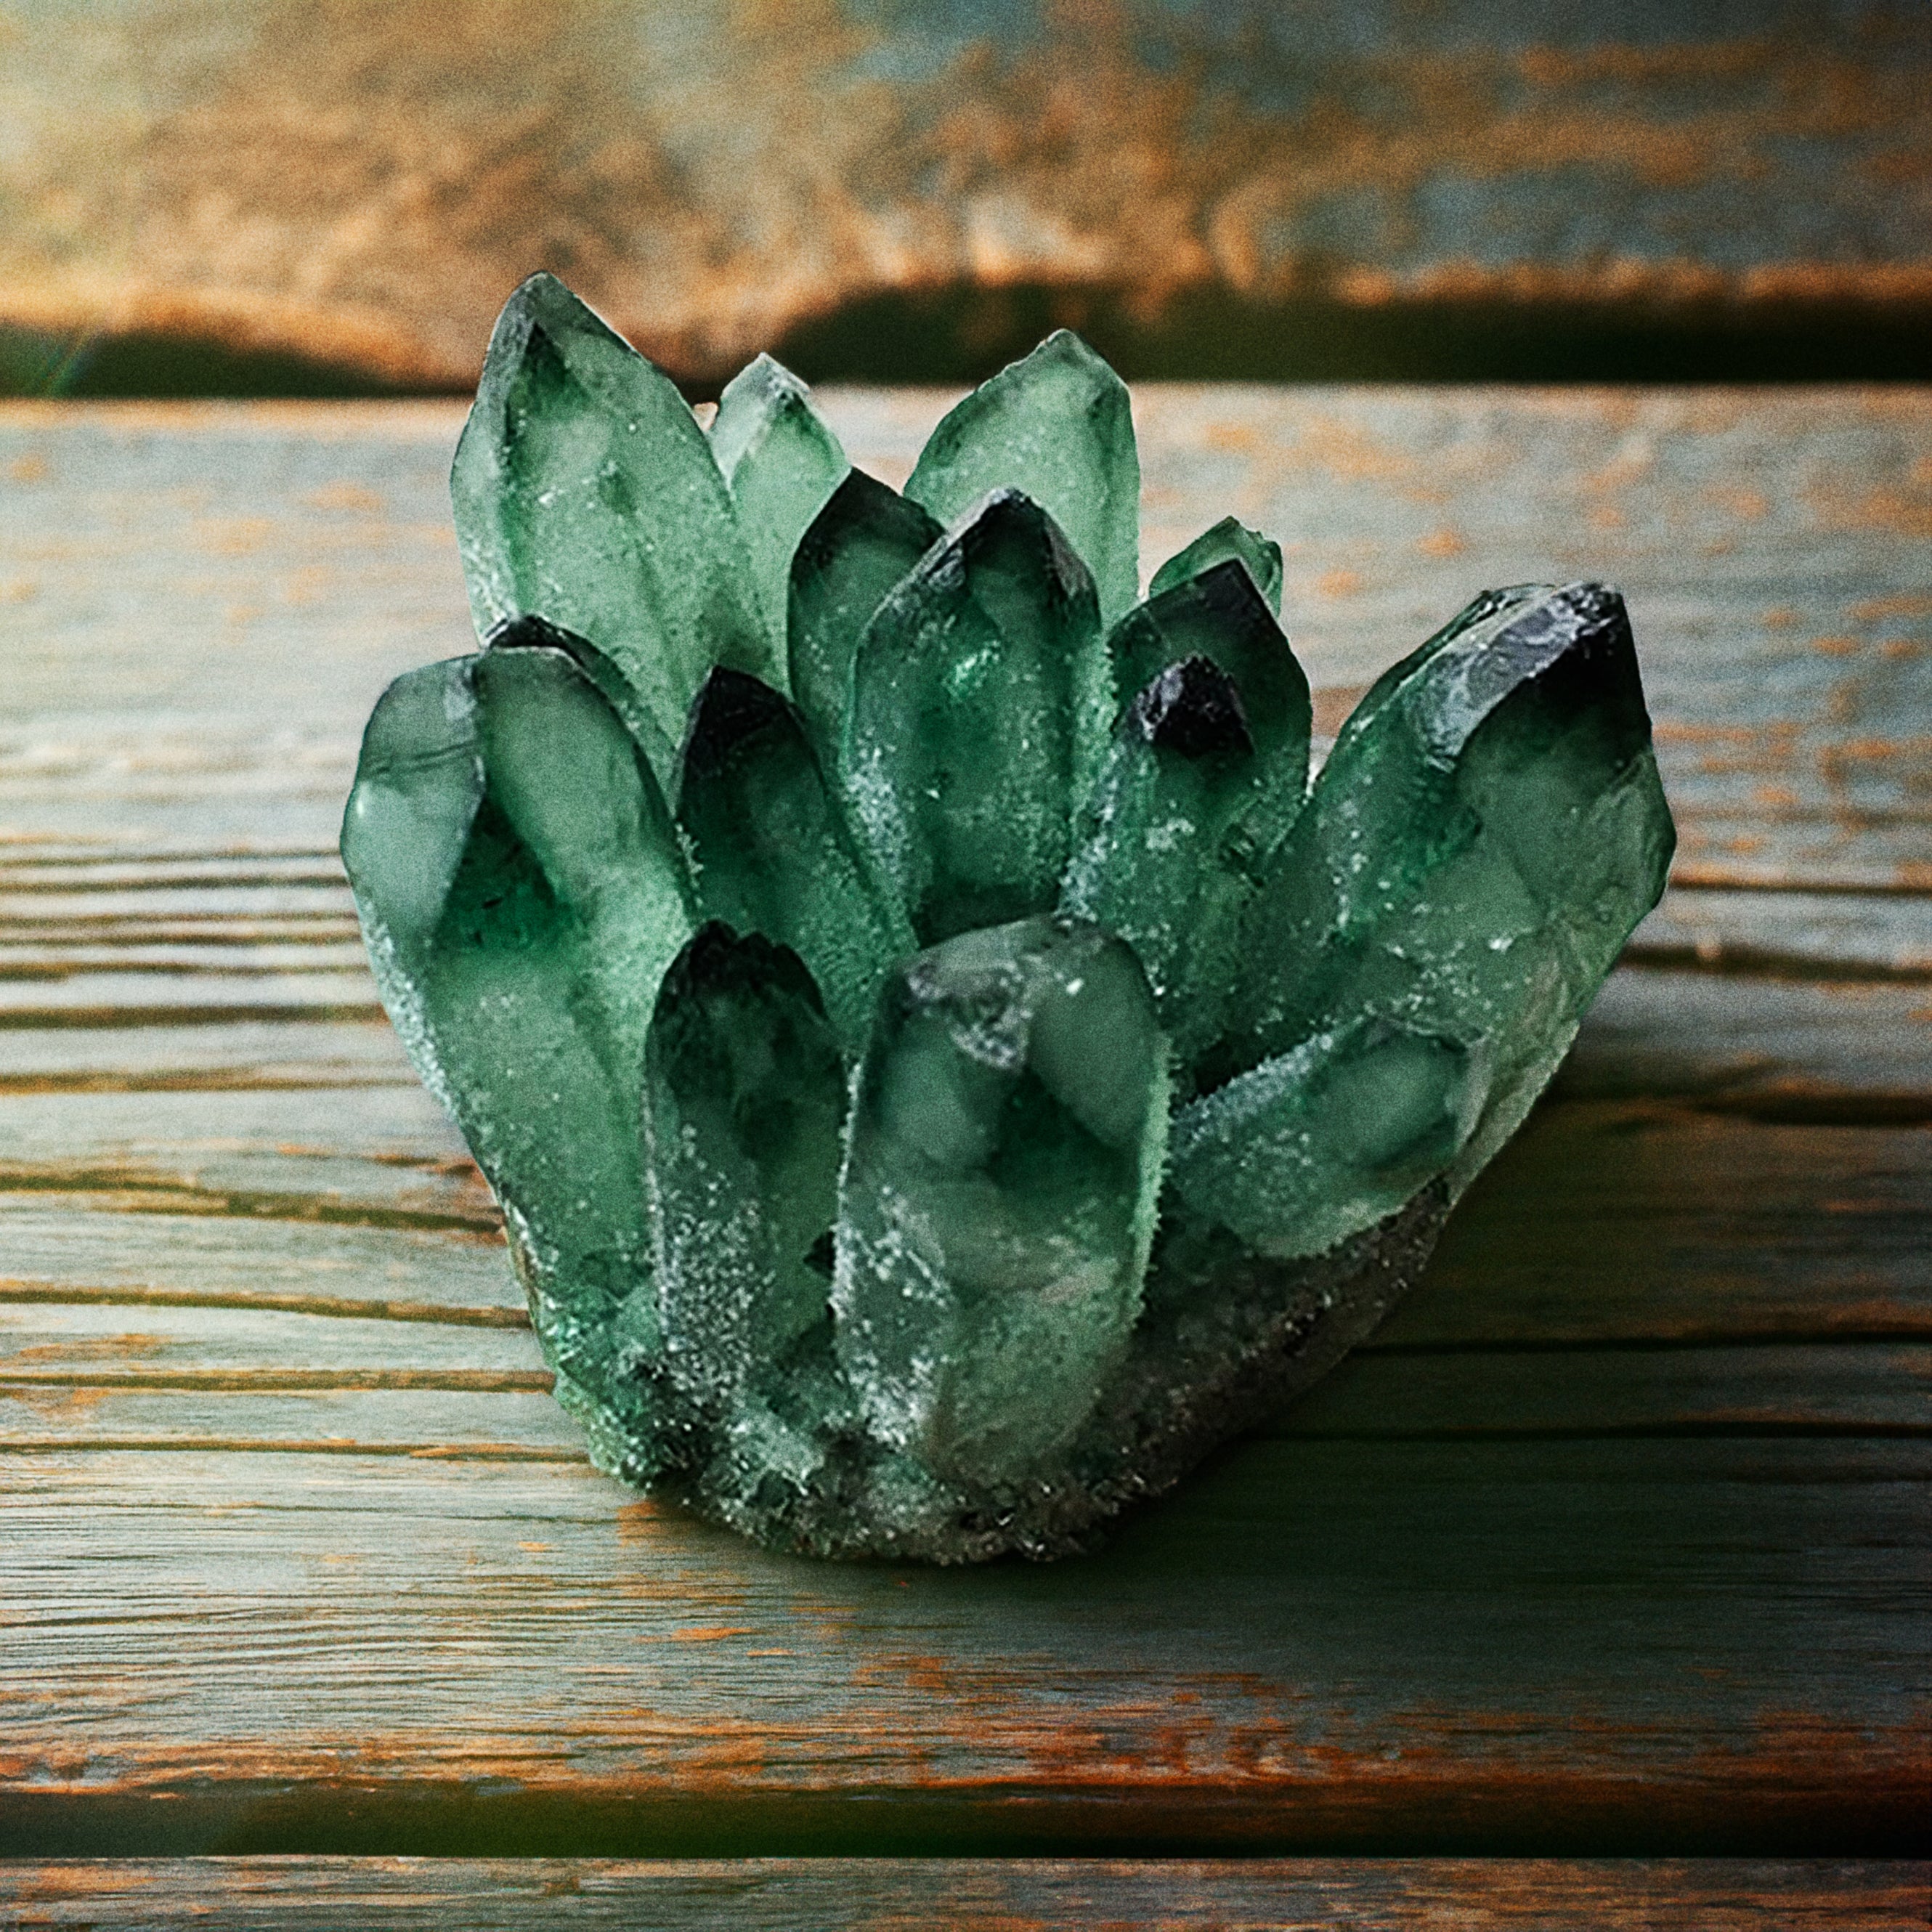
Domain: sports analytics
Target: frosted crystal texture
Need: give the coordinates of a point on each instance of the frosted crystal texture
(782, 464)
(744, 1106)
(585, 493)
(944, 1068)
(1058, 427)
(999, 1193)
(979, 703)
(1227, 542)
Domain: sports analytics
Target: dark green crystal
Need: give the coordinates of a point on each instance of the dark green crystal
(775, 854)
(1228, 540)
(744, 1095)
(1484, 836)
(1057, 426)
(999, 1195)
(979, 710)
(522, 893)
(863, 544)
(1159, 860)
(863, 1250)
(781, 465)
(1219, 615)
(586, 492)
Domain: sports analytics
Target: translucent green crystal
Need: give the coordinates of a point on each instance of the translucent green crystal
(774, 851)
(521, 893)
(864, 1249)
(1059, 427)
(744, 1097)
(1330, 1138)
(1219, 615)
(782, 464)
(1229, 540)
(586, 492)
(999, 1195)
(1159, 861)
(979, 706)
(1485, 835)
(863, 544)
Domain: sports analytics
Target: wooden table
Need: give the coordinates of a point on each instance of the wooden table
(1611, 1544)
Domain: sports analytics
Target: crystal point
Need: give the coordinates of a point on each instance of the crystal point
(1057, 425)
(979, 710)
(586, 492)
(744, 1097)
(1159, 860)
(998, 1205)
(1486, 834)
(775, 850)
(861, 545)
(1229, 540)
(517, 928)
(782, 464)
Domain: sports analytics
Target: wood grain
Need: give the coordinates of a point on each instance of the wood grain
(1550, 1647)
(1611, 1540)
(978, 1895)
(1786, 632)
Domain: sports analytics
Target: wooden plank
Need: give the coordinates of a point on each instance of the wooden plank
(112, 1250)
(300, 1050)
(106, 1345)
(1607, 1223)
(1383, 1396)
(383, 1155)
(1787, 634)
(1554, 1647)
(345, 1894)
(1828, 936)
(1830, 1051)
(1184, 172)
(392, 1388)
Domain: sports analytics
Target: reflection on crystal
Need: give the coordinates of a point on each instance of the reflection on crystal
(943, 1067)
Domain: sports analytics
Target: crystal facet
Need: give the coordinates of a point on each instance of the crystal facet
(1059, 427)
(867, 1249)
(782, 464)
(586, 492)
(999, 1193)
(775, 852)
(744, 1104)
(979, 704)
(863, 544)
(1228, 540)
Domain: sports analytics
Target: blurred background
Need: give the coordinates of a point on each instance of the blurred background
(335, 196)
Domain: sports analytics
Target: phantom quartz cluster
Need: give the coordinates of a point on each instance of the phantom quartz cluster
(943, 1066)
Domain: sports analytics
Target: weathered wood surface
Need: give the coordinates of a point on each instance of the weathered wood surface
(1612, 1539)
(362, 183)
(200, 604)
(979, 1895)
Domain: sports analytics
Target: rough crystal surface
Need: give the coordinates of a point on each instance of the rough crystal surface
(944, 1068)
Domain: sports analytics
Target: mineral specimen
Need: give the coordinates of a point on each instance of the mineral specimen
(943, 1067)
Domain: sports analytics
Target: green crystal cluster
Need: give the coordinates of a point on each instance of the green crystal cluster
(943, 1066)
